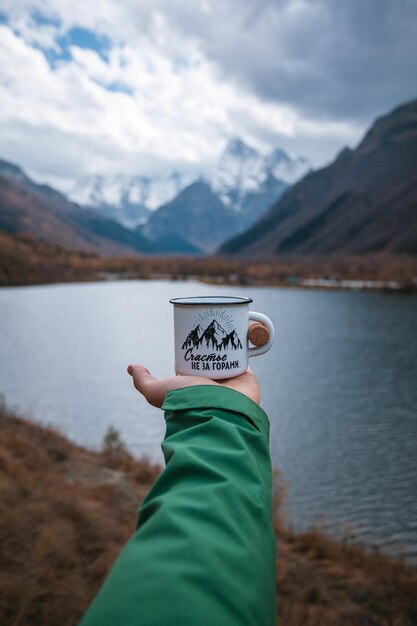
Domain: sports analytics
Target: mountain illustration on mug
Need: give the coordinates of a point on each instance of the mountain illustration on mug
(213, 336)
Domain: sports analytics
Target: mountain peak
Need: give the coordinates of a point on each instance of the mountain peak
(344, 153)
(241, 170)
(364, 201)
(195, 189)
(237, 147)
(285, 168)
(278, 154)
(12, 171)
(399, 125)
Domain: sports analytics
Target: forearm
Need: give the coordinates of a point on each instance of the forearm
(204, 549)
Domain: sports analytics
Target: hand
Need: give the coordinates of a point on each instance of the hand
(155, 390)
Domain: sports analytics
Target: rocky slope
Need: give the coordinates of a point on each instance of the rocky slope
(166, 214)
(39, 210)
(365, 201)
(196, 220)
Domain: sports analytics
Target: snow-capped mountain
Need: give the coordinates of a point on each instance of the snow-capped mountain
(285, 168)
(239, 170)
(250, 182)
(128, 199)
(245, 181)
(242, 170)
(225, 202)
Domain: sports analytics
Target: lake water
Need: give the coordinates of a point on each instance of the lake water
(339, 386)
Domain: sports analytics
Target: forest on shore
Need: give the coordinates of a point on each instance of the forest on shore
(26, 261)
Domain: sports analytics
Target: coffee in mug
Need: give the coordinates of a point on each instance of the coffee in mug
(211, 335)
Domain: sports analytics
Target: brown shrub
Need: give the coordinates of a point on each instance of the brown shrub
(66, 512)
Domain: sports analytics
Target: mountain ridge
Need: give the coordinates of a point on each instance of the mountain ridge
(239, 170)
(196, 216)
(364, 201)
(39, 210)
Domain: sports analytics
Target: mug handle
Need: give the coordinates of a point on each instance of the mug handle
(260, 317)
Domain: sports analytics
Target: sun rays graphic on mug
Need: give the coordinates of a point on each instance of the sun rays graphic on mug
(219, 314)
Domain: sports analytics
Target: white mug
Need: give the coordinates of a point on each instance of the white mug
(211, 335)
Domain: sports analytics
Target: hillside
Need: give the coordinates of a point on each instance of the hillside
(365, 201)
(196, 218)
(66, 512)
(40, 211)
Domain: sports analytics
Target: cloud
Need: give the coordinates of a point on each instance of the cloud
(135, 86)
(325, 58)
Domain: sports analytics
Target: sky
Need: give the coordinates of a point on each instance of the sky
(142, 87)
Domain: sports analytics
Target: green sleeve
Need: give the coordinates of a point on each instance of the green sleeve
(203, 553)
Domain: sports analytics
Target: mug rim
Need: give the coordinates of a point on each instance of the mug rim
(204, 300)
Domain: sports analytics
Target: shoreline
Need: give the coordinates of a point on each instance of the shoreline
(317, 284)
(62, 504)
(25, 261)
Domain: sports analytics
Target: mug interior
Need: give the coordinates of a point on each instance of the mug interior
(211, 300)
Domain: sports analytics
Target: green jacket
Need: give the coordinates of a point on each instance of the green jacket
(203, 553)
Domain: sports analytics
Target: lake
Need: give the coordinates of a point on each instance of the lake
(339, 386)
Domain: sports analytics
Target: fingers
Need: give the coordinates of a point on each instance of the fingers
(141, 376)
(154, 390)
(144, 382)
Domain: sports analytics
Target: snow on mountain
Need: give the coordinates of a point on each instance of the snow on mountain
(285, 168)
(242, 170)
(129, 199)
(244, 179)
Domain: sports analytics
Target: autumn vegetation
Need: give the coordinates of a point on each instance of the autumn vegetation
(27, 261)
(65, 513)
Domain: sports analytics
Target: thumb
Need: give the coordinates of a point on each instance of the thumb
(142, 378)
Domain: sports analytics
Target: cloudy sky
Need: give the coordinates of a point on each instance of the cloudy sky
(141, 86)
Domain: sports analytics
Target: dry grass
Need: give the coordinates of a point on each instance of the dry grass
(58, 527)
(26, 261)
(327, 582)
(323, 581)
(65, 513)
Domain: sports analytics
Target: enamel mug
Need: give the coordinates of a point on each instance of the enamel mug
(211, 335)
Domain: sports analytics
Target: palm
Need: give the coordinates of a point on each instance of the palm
(155, 390)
